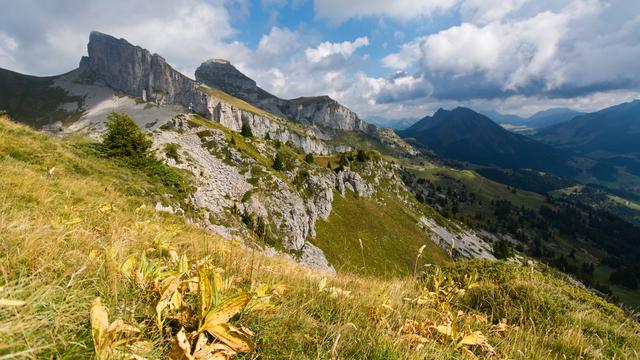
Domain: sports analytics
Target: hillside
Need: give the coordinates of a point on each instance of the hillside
(541, 226)
(462, 134)
(85, 216)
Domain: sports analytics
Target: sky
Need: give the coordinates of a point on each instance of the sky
(389, 61)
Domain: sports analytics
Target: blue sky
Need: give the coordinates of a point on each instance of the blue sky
(385, 60)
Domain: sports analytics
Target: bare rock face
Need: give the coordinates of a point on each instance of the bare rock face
(324, 111)
(320, 110)
(135, 71)
(222, 72)
(348, 179)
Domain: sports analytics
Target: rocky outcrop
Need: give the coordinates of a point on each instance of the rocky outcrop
(136, 72)
(321, 110)
(348, 179)
(466, 243)
(290, 212)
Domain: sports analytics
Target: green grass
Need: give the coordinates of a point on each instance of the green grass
(484, 188)
(389, 233)
(64, 234)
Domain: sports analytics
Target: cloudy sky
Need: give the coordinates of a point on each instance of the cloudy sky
(392, 59)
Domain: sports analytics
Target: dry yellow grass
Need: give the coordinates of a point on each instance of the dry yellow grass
(69, 219)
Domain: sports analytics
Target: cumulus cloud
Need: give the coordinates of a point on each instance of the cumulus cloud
(329, 49)
(185, 31)
(339, 10)
(547, 53)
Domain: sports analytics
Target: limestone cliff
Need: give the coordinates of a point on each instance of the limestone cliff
(319, 110)
(137, 72)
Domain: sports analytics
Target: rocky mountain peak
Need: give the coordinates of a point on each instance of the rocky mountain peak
(134, 71)
(225, 75)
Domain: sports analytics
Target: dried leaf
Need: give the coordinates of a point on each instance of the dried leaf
(119, 326)
(182, 348)
(475, 338)
(445, 330)
(322, 284)
(224, 311)
(128, 268)
(232, 337)
(99, 325)
(9, 302)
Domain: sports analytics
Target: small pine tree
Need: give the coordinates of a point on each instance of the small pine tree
(124, 138)
(309, 158)
(329, 164)
(267, 137)
(246, 130)
(278, 162)
(233, 140)
(362, 156)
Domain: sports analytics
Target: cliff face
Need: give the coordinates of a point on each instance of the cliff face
(319, 110)
(136, 72)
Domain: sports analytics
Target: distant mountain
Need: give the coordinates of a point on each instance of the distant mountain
(535, 122)
(500, 118)
(463, 134)
(614, 130)
(397, 124)
(611, 136)
(550, 117)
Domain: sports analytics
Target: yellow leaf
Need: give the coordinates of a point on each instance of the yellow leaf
(99, 326)
(232, 337)
(106, 208)
(475, 338)
(183, 266)
(322, 284)
(444, 330)
(119, 326)
(224, 311)
(183, 347)
(128, 267)
(205, 291)
(9, 302)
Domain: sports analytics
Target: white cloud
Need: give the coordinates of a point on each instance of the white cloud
(486, 11)
(339, 10)
(185, 32)
(329, 49)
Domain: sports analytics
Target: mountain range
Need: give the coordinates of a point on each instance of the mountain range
(535, 122)
(465, 135)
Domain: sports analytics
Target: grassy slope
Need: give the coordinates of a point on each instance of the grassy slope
(488, 190)
(389, 233)
(32, 100)
(61, 247)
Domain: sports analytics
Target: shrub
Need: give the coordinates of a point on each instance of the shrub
(362, 156)
(278, 162)
(246, 130)
(171, 150)
(124, 138)
(309, 158)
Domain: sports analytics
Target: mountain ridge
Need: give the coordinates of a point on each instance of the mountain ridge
(465, 135)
